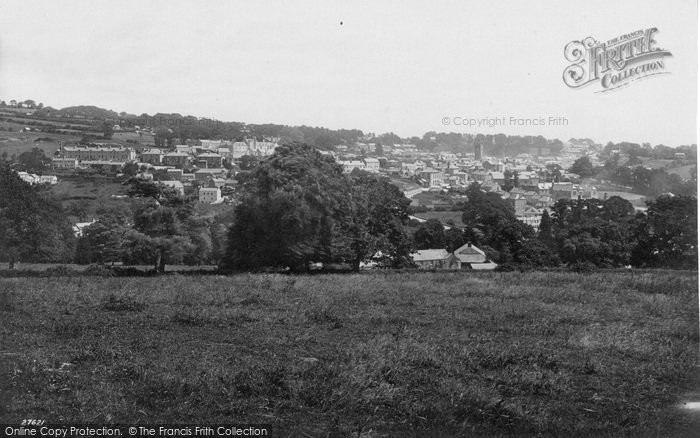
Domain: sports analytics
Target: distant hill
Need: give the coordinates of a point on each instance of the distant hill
(86, 112)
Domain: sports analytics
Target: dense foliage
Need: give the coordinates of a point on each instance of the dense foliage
(33, 226)
(298, 208)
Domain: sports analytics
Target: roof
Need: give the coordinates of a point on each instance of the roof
(212, 170)
(430, 254)
(468, 249)
(209, 155)
(488, 266)
(173, 184)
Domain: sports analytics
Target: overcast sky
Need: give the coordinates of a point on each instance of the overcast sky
(390, 66)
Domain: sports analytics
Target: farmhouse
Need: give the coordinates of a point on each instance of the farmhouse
(435, 259)
(471, 257)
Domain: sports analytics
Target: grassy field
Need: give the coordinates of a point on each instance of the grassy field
(379, 354)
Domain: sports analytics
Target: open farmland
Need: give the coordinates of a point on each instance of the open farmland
(377, 354)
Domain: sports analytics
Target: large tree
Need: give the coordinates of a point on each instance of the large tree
(375, 229)
(293, 205)
(668, 236)
(34, 227)
(298, 207)
(159, 235)
(582, 167)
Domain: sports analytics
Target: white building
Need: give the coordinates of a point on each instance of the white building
(371, 164)
(209, 195)
(349, 166)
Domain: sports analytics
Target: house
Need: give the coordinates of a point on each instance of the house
(210, 160)
(48, 179)
(152, 156)
(177, 159)
(206, 174)
(432, 177)
(209, 195)
(471, 257)
(371, 164)
(435, 259)
(79, 227)
(349, 166)
(64, 163)
(98, 153)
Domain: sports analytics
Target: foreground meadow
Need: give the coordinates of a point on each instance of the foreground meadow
(380, 354)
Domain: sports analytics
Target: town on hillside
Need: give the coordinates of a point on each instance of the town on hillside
(435, 172)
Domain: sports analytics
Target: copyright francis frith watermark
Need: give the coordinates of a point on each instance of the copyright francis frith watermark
(614, 63)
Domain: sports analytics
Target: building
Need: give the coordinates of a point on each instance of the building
(530, 216)
(209, 195)
(568, 190)
(252, 146)
(48, 179)
(152, 156)
(432, 177)
(207, 174)
(64, 163)
(435, 259)
(471, 257)
(211, 144)
(98, 153)
(349, 166)
(210, 160)
(177, 159)
(371, 164)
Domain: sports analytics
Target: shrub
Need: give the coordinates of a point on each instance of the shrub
(583, 267)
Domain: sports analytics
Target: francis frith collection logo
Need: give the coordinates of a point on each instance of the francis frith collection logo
(616, 62)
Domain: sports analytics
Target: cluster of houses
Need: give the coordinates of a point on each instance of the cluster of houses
(184, 165)
(32, 179)
(465, 257)
(434, 172)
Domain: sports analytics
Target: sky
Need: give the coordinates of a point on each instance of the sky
(389, 66)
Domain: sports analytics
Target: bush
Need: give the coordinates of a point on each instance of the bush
(583, 267)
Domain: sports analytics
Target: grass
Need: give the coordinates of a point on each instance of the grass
(380, 354)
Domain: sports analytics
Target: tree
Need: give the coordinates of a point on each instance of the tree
(379, 149)
(668, 237)
(375, 229)
(102, 241)
(491, 221)
(159, 235)
(107, 130)
(582, 167)
(430, 235)
(293, 206)
(545, 229)
(34, 227)
(454, 238)
(34, 160)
